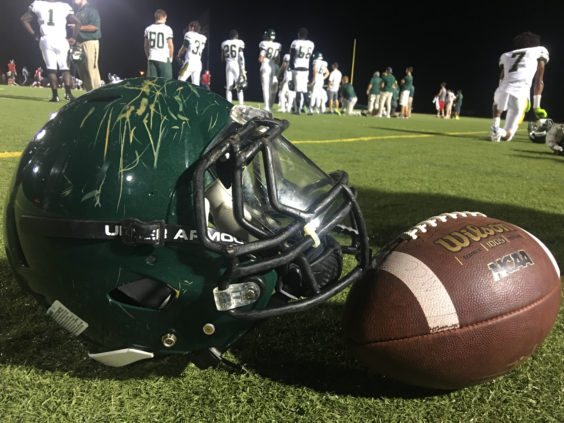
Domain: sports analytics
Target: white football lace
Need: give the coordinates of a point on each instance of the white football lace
(421, 227)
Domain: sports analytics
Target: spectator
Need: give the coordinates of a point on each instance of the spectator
(12, 73)
(37, 77)
(441, 95)
(25, 74)
(205, 80)
(448, 105)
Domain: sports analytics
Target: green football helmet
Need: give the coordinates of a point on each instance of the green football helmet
(538, 129)
(269, 34)
(153, 217)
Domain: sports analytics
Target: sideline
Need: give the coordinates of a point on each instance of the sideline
(7, 155)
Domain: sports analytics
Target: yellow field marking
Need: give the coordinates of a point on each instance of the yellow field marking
(384, 137)
(9, 154)
(464, 133)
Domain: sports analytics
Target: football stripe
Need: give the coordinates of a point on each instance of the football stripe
(546, 250)
(427, 288)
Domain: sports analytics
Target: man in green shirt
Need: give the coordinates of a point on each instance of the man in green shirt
(458, 104)
(349, 96)
(89, 40)
(387, 89)
(407, 83)
(373, 93)
(410, 101)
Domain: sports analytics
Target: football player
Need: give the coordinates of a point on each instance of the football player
(232, 53)
(286, 94)
(268, 57)
(300, 55)
(159, 48)
(320, 74)
(191, 53)
(52, 17)
(520, 68)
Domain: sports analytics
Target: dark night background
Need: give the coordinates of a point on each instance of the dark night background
(457, 42)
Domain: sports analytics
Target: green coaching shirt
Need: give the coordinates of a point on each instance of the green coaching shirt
(376, 81)
(389, 81)
(347, 91)
(89, 16)
(408, 82)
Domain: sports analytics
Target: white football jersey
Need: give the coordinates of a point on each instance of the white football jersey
(287, 77)
(158, 36)
(270, 50)
(320, 66)
(232, 49)
(304, 50)
(51, 17)
(195, 43)
(519, 68)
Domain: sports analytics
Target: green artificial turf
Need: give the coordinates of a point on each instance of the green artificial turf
(298, 367)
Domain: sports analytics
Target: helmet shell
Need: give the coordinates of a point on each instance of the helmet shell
(123, 151)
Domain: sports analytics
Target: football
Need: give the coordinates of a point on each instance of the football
(457, 300)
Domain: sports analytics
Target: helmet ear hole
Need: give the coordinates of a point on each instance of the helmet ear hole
(147, 293)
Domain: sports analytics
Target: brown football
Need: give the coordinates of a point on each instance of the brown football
(457, 300)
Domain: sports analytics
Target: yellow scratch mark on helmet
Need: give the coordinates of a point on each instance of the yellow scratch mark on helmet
(143, 106)
(87, 116)
(107, 134)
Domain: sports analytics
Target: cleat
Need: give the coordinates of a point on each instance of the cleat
(54, 100)
(495, 136)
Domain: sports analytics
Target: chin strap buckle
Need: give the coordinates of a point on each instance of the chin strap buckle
(309, 230)
(136, 232)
